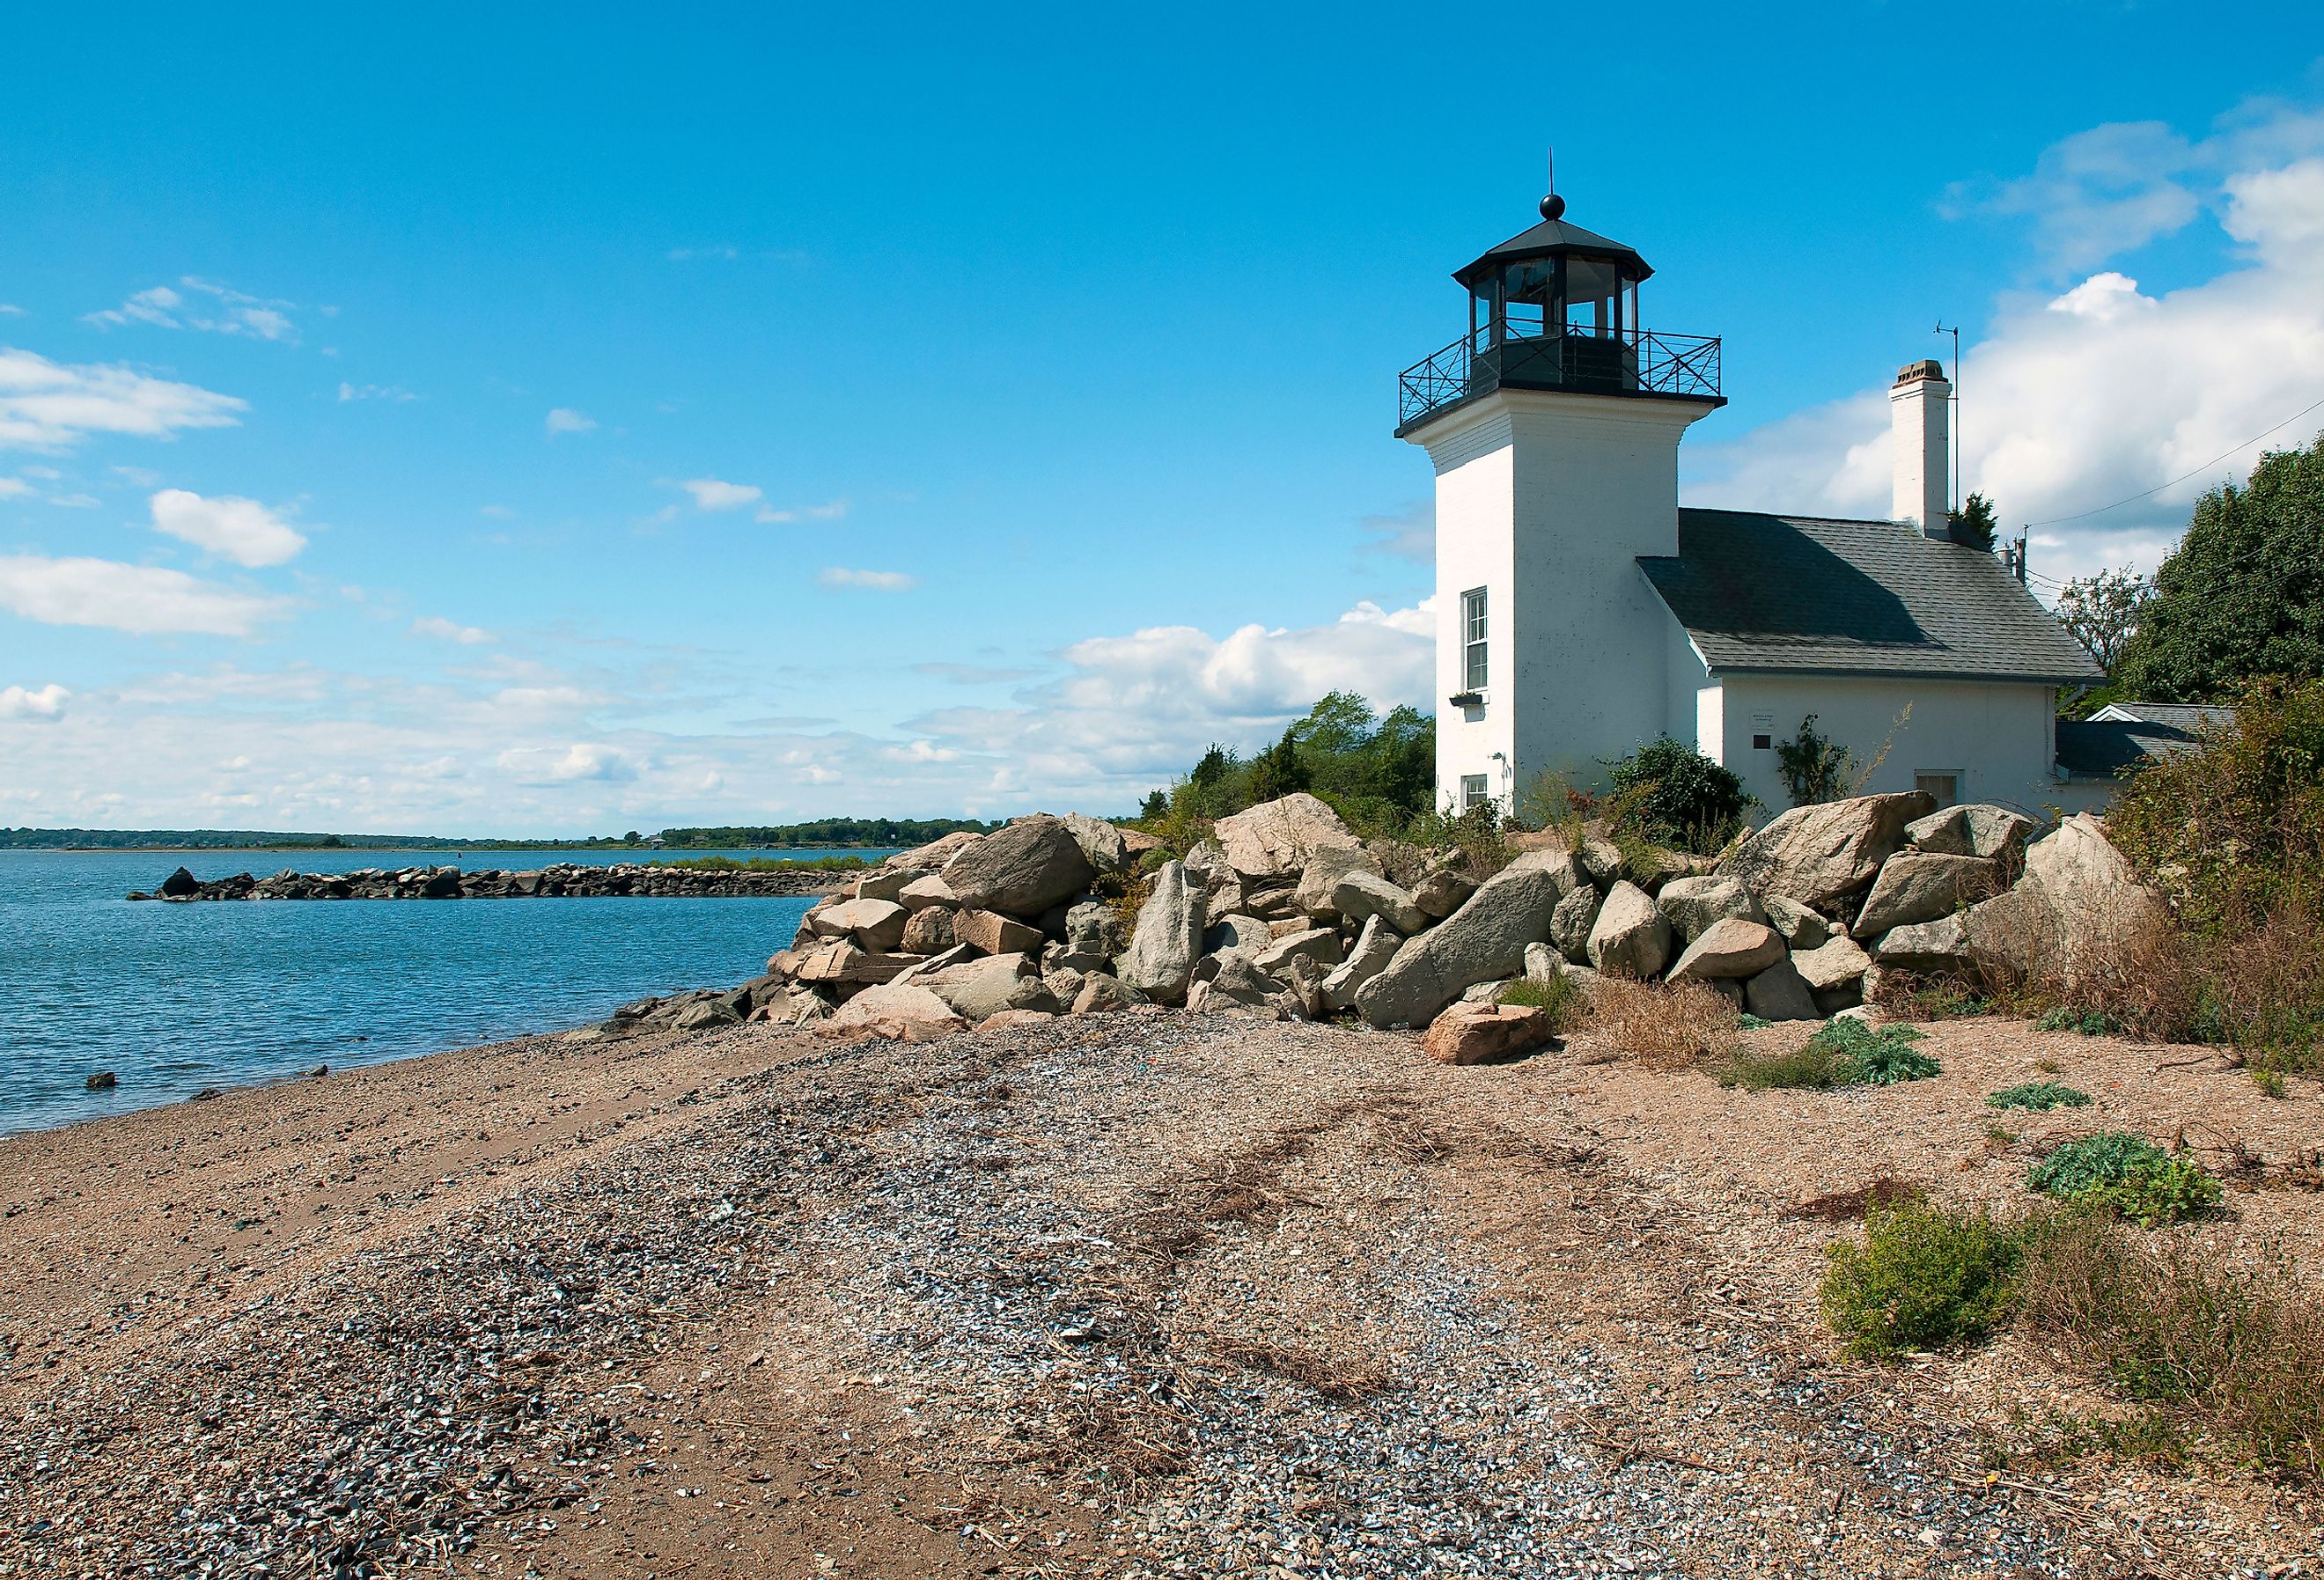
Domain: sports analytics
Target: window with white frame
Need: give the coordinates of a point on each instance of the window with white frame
(1472, 639)
(1473, 792)
(1943, 786)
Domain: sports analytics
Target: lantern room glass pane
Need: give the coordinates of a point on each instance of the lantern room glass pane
(1589, 288)
(1528, 289)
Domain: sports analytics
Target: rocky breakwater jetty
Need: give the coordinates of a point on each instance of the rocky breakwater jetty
(1284, 913)
(564, 880)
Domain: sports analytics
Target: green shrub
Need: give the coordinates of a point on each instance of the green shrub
(2270, 1082)
(1925, 1276)
(2038, 1096)
(1675, 795)
(2088, 1022)
(2128, 1175)
(1843, 1053)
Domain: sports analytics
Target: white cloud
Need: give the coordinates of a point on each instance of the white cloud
(48, 405)
(14, 488)
(565, 420)
(443, 630)
(2094, 394)
(9, 309)
(141, 599)
(213, 309)
(241, 530)
(691, 255)
(579, 762)
(710, 494)
(830, 511)
(878, 581)
(395, 393)
(47, 703)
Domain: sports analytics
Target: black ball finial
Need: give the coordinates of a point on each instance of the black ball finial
(1553, 207)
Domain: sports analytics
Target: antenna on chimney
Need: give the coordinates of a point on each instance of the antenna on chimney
(1956, 468)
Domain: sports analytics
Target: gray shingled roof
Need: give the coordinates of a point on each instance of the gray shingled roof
(2102, 748)
(2191, 717)
(1813, 596)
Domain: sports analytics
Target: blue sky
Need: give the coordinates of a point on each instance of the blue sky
(548, 423)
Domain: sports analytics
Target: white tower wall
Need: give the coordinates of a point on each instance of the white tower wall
(1546, 500)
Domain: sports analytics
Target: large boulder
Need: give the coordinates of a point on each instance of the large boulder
(1239, 988)
(1167, 939)
(1324, 869)
(1095, 927)
(1801, 928)
(887, 882)
(1824, 854)
(1275, 839)
(1469, 1034)
(1320, 945)
(921, 894)
(978, 990)
(1729, 950)
(180, 884)
(1375, 946)
(929, 932)
(841, 965)
(1482, 941)
(1832, 966)
(1917, 886)
(1239, 934)
(1939, 947)
(1022, 870)
(1101, 843)
(906, 1012)
(1442, 891)
(1693, 904)
(1360, 894)
(1631, 937)
(1992, 833)
(1103, 994)
(2078, 906)
(876, 924)
(1780, 994)
(1571, 923)
(988, 932)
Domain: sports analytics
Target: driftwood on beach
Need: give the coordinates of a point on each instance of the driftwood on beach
(566, 880)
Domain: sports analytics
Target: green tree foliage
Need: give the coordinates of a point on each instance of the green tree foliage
(2101, 612)
(1673, 794)
(863, 831)
(2242, 595)
(1973, 522)
(1278, 771)
(1379, 771)
(1814, 768)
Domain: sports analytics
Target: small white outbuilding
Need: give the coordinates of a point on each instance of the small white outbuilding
(1583, 612)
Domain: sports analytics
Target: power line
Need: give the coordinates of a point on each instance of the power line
(2174, 482)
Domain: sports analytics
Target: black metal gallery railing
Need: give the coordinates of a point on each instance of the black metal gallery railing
(1633, 363)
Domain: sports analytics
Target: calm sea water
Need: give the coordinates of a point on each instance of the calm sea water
(173, 998)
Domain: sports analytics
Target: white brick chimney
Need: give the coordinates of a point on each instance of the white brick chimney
(1920, 408)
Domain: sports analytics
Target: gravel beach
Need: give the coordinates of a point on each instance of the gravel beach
(1120, 1295)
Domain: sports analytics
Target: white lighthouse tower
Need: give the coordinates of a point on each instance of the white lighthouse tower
(1553, 425)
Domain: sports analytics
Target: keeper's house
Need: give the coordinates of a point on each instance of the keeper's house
(1583, 611)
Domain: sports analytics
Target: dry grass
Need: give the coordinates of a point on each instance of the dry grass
(2231, 1342)
(1661, 1027)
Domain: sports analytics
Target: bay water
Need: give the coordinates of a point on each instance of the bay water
(174, 998)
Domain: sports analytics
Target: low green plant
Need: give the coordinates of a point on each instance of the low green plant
(2047, 1066)
(2128, 1175)
(1843, 1053)
(2038, 1096)
(1883, 1055)
(1748, 1022)
(2270, 1082)
(1925, 1277)
(1556, 994)
(2001, 1135)
(2088, 1022)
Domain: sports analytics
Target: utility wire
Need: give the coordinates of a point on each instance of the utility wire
(2174, 482)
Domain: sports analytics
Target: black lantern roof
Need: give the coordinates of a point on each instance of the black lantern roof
(1554, 237)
